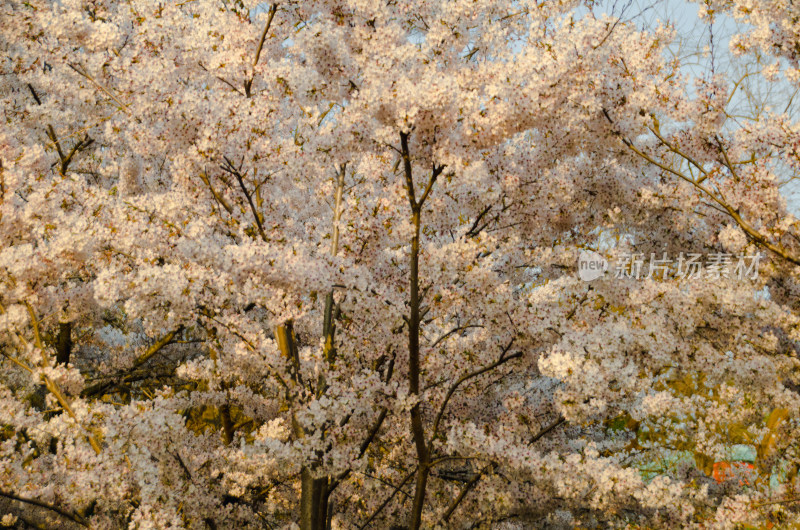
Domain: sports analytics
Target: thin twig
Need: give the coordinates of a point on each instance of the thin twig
(465, 490)
(732, 213)
(502, 360)
(143, 358)
(236, 172)
(82, 71)
(388, 499)
(249, 83)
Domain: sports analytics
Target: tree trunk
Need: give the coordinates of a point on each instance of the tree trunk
(313, 501)
(417, 430)
(313, 491)
(414, 369)
(64, 342)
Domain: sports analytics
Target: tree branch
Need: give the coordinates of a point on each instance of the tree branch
(249, 83)
(154, 348)
(502, 360)
(71, 516)
(388, 499)
(236, 172)
(732, 213)
(465, 490)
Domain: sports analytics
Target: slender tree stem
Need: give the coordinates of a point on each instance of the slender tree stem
(248, 84)
(417, 429)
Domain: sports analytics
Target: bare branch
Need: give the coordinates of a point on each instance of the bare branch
(502, 360)
(435, 172)
(218, 197)
(154, 348)
(249, 83)
(388, 499)
(454, 330)
(63, 513)
(82, 71)
(474, 230)
(465, 490)
(732, 213)
(406, 157)
(236, 172)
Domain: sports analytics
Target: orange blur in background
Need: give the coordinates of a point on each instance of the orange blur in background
(723, 471)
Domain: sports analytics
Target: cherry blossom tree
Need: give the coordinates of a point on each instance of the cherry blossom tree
(716, 150)
(313, 264)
